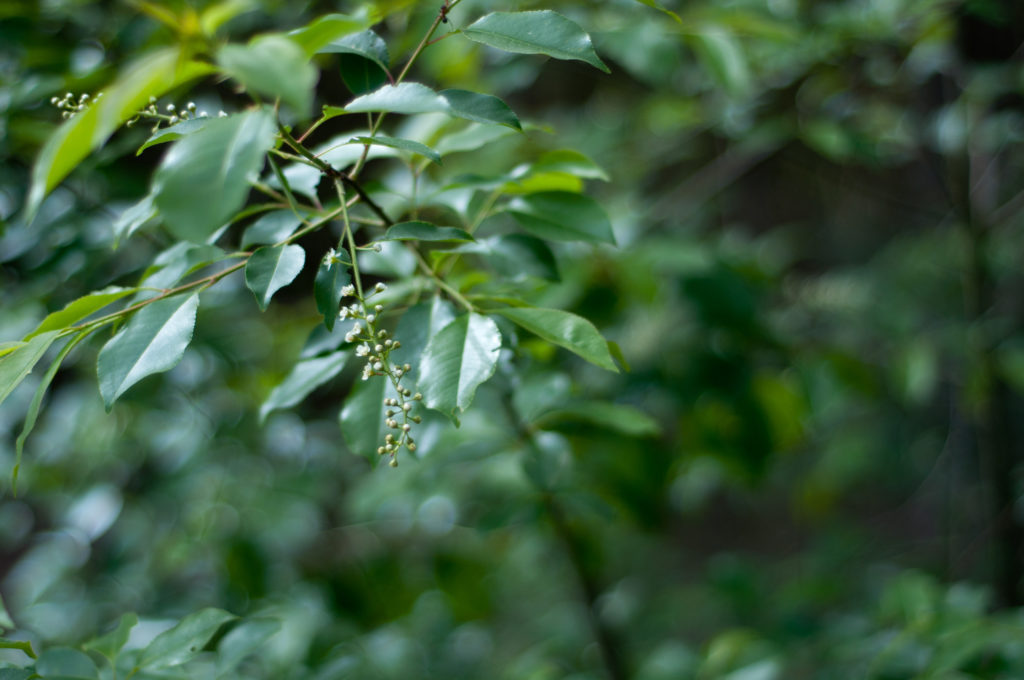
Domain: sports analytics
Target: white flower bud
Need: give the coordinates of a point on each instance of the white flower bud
(170, 108)
(406, 427)
(378, 348)
(380, 287)
(378, 308)
(348, 291)
(406, 407)
(221, 114)
(377, 366)
(363, 350)
(371, 318)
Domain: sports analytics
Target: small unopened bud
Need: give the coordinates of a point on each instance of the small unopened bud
(418, 396)
(380, 287)
(411, 446)
(406, 427)
(221, 114)
(370, 318)
(406, 407)
(380, 450)
(416, 419)
(406, 368)
(394, 462)
(170, 108)
(378, 366)
(378, 308)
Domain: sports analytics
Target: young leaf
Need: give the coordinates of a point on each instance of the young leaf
(562, 216)
(565, 329)
(538, 32)
(425, 231)
(175, 132)
(15, 366)
(402, 98)
(5, 619)
(89, 129)
(153, 341)
(457, 360)
(80, 308)
(273, 66)
(305, 377)
(179, 644)
(110, 644)
(205, 177)
(271, 268)
(326, 29)
(243, 640)
(331, 277)
(402, 145)
(22, 645)
(481, 108)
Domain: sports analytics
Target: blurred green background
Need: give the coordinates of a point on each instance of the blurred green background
(820, 215)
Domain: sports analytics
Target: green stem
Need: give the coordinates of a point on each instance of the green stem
(340, 188)
(439, 282)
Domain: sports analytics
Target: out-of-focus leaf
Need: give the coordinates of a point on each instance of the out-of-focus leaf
(402, 98)
(21, 645)
(562, 216)
(182, 642)
(326, 29)
(153, 341)
(658, 6)
(271, 268)
(79, 309)
(538, 32)
(273, 66)
(606, 415)
(305, 377)
(457, 360)
(177, 262)
(5, 618)
(564, 329)
(87, 130)
(362, 417)
(15, 366)
(481, 108)
(517, 255)
(570, 162)
(174, 132)
(271, 228)
(110, 645)
(215, 16)
(133, 218)
(723, 56)
(64, 663)
(205, 177)
(243, 640)
(363, 62)
(425, 231)
(417, 326)
(471, 138)
(331, 278)
(401, 145)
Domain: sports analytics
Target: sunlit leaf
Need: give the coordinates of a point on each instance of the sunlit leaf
(182, 642)
(15, 366)
(562, 216)
(271, 268)
(205, 177)
(565, 329)
(272, 66)
(87, 130)
(153, 341)
(21, 645)
(326, 29)
(79, 309)
(537, 32)
(402, 98)
(461, 357)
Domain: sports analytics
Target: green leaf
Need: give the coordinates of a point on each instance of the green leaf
(305, 377)
(243, 640)
(16, 366)
(539, 32)
(564, 329)
(331, 277)
(37, 400)
(215, 16)
(518, 255)
(658, 6)
(21, 645)
(273, 227)
(562, 216)
(133, 218)
(457, 360)
(17, 674)
(363, 62)
(570, 162)
(5, 618)
(273, 66)
(402, 98)
(174, 132)
(271, 268)
(627, 420)
(481, 108)
(401, 144)
(66, 663)
(723, 56)
(79, 309)
(152, 341)
(326, 29)
(362, 417)
(425, 231)
(205, 177)
(179, 644)
(471, 138)
(417, 327)
(177, 262)
(110, 644)
(87, 130)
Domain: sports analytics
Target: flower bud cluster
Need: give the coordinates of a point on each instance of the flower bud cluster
(69, 105)
(171, 115)
(375, 346)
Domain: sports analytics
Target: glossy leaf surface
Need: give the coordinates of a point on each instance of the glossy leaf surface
(81, 308)
(205, 177)
(271, 268)
(565, 329)
(402, 98)
(537, 32)
(481, 108)
(457, 360)
(153, 341)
